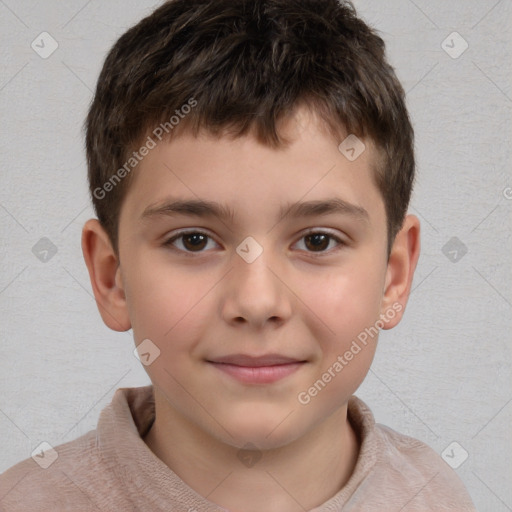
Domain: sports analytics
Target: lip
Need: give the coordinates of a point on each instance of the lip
(257, 370)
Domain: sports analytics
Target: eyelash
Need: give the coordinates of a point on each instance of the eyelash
(340, 242)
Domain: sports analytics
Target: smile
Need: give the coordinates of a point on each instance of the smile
(257, 370)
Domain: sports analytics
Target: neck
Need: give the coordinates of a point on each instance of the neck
(299, 476)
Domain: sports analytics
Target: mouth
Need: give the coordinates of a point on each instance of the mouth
(257, 370)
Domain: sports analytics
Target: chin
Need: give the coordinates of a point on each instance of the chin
(265, 431)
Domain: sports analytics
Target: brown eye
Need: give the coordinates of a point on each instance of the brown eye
(195, 241)
(317, 242)
(191, 242)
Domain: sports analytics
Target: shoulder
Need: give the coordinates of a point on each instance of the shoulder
(52, 480)
(93, 472)
(414, 464)
(408, 473)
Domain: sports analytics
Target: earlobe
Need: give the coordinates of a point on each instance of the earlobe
(105, 275)
(400, 271)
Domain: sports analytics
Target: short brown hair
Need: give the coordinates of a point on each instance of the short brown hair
(245, 65)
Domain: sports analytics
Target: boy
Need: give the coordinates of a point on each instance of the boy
(251, 165)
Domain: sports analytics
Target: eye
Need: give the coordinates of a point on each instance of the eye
(191, 241)
(320, 242)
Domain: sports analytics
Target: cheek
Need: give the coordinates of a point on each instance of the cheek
(167, 306)
(348, 306)
(346, 301)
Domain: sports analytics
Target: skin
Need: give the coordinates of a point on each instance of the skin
(295, 300)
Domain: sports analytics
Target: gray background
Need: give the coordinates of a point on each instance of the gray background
(443, 375)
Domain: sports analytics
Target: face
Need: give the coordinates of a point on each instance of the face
(254, 271)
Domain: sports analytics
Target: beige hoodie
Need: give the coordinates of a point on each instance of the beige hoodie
(112, 469)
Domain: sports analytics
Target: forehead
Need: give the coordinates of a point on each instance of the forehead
(249, 177)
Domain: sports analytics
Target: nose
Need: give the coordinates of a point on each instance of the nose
(255, 294)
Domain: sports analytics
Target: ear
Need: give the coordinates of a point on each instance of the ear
(400, 271)
(105, 274)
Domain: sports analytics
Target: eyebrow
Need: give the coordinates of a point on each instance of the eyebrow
(324, 207)
(192, 207)
(201, 208)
